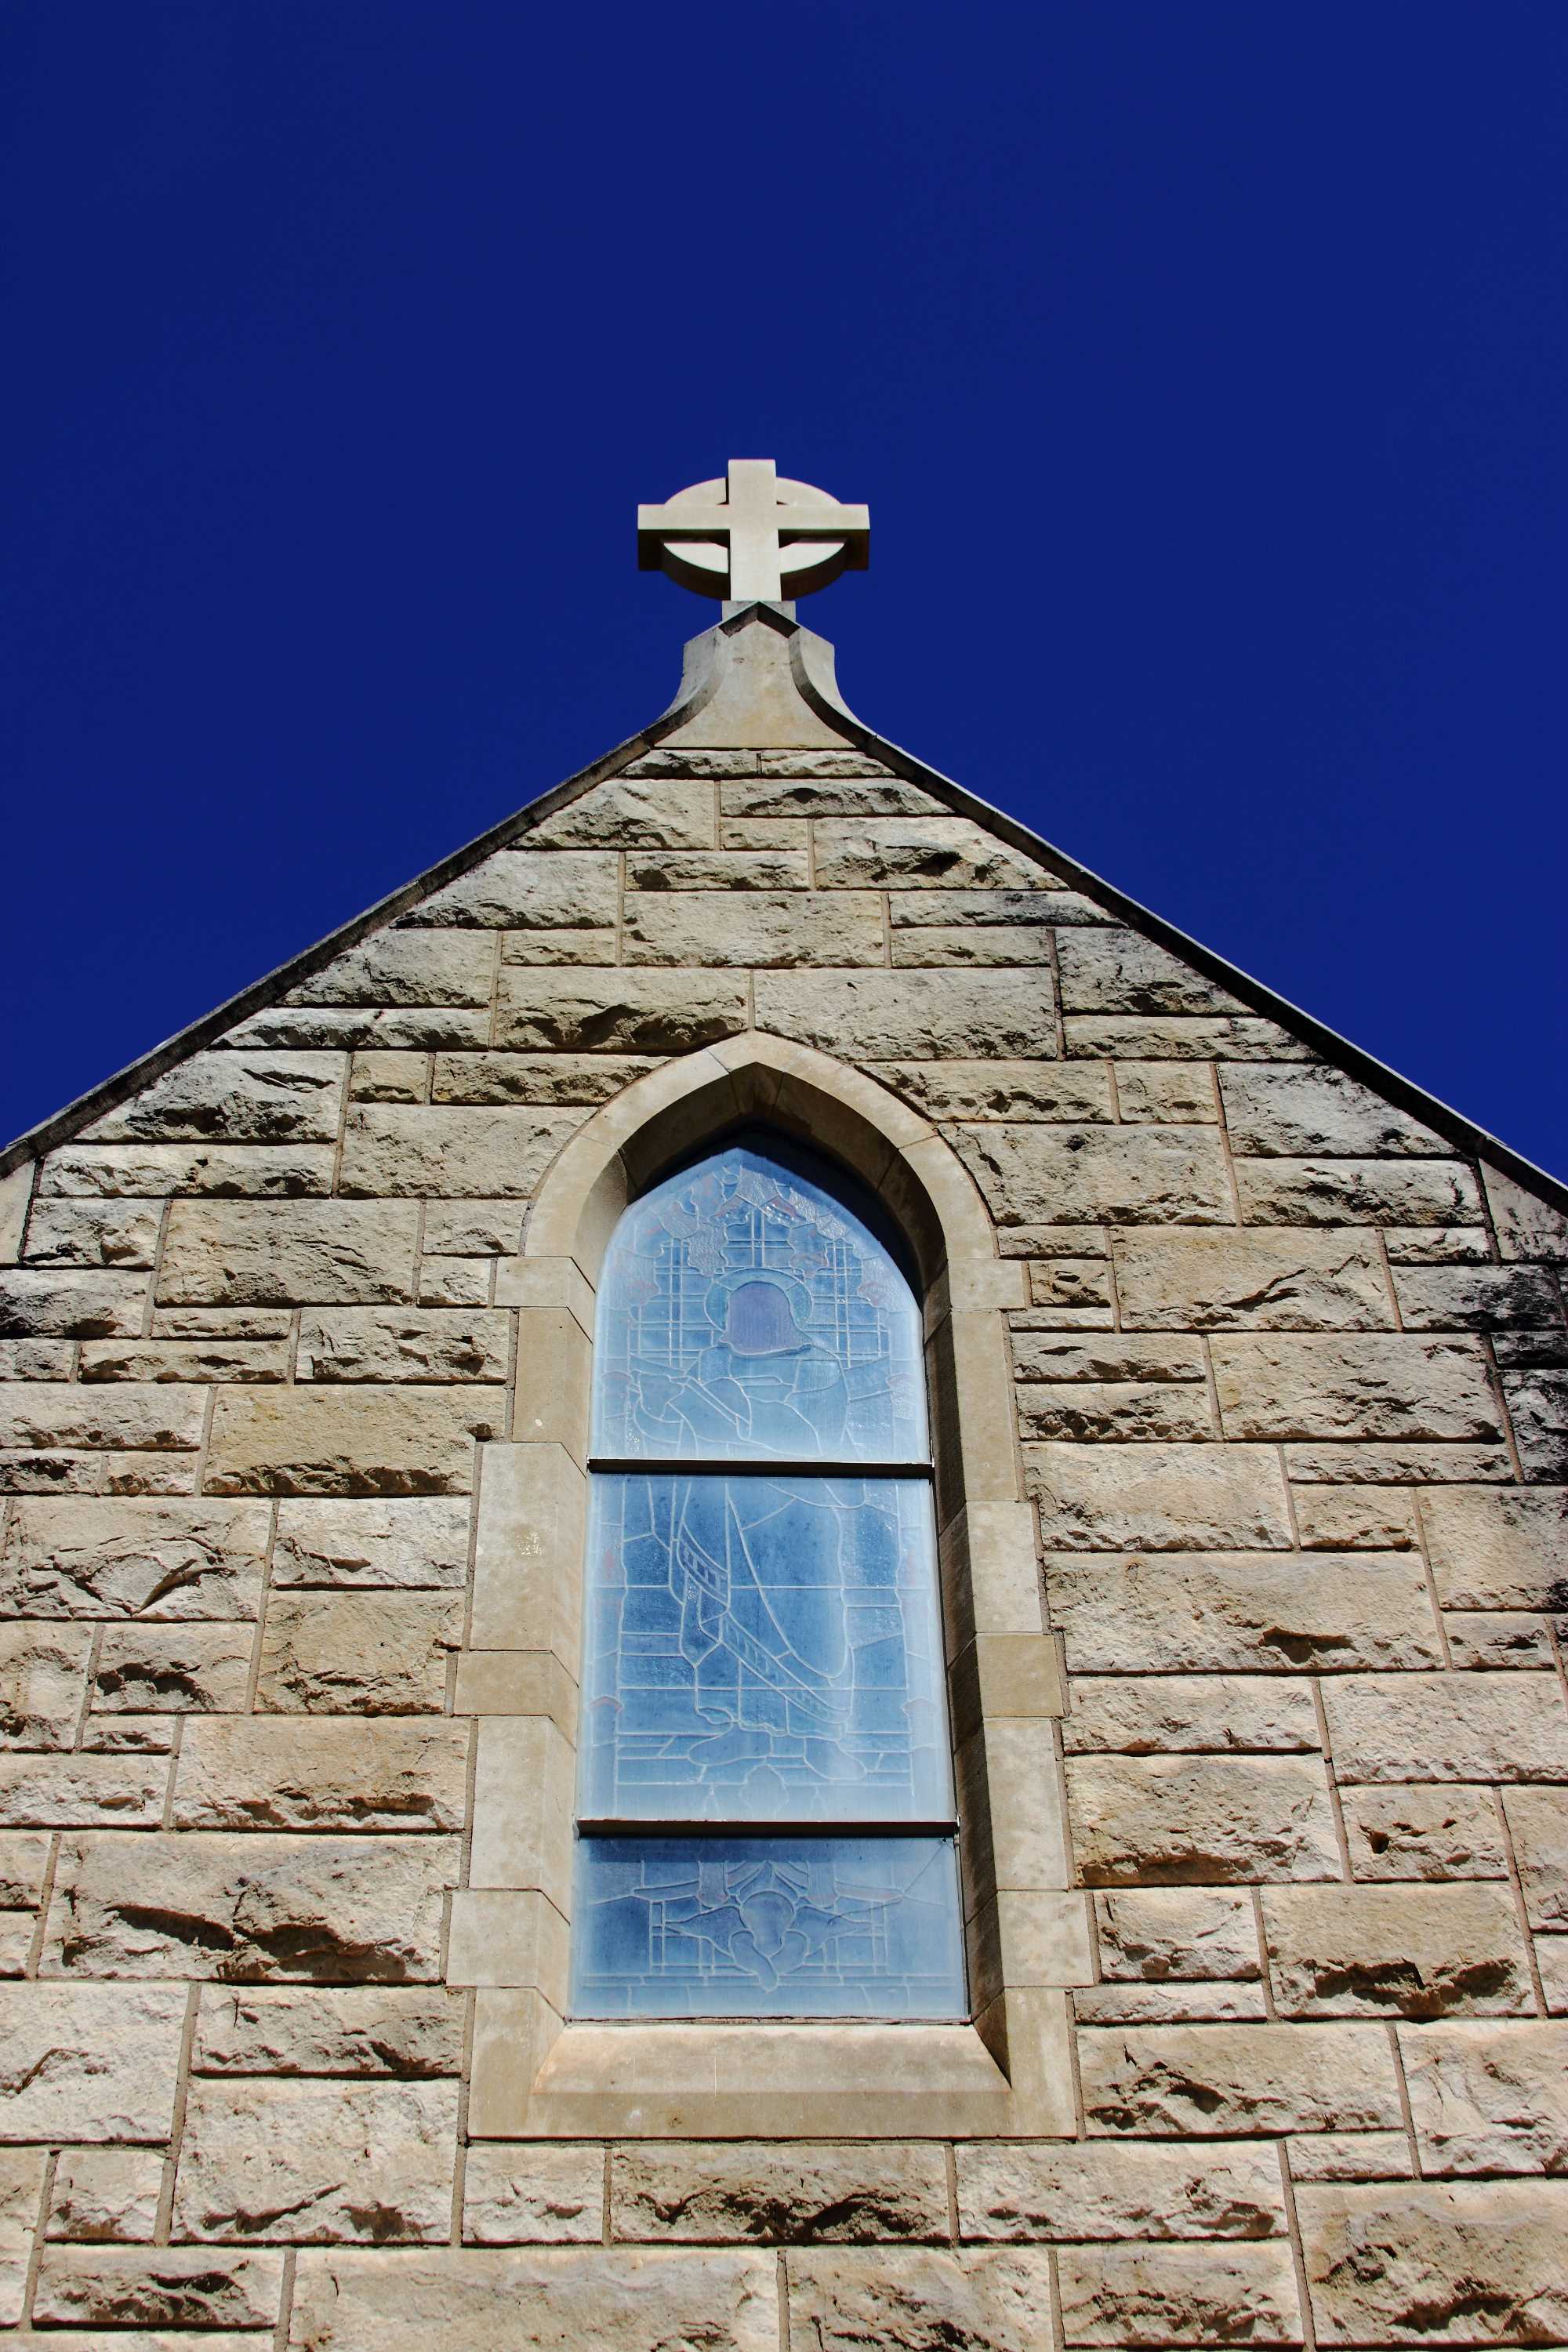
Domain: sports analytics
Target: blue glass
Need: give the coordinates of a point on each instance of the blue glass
(747, 1313)
(764, 1649)
(756, 1926)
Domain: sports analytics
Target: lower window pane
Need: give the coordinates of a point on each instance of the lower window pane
(760, 1926)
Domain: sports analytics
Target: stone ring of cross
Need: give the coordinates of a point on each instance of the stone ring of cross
(753, 536)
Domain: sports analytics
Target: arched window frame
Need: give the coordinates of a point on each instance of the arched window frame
(1007, 2071)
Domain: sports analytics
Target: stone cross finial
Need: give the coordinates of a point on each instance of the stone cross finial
(752, 537)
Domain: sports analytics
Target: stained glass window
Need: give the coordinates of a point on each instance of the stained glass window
(766, 1794)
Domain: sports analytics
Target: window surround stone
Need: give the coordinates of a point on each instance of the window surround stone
(536, 2075)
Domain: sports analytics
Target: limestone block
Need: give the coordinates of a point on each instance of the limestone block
(372, 1541)
(16, 1950)
(1356, 1192)
(610, 2298)
(1169, 1498)
(133, 1558)
(615, 1011)
(1460, 1727)
(1160, 1934)
(45, 1302)
(1496, 1548)
(249, 1909)
(248, 1773)
(93, 1233)
(1179, 2002)
(525, 1776)
(881, 1016)
(405, 967)
(384, 1026)
(23, 1853)
(1423, 2264)
(1145, 1715)
(173, 1669)
(1209, 1612)
(902, 853)
(1108, 970)
(15, 1193)
(545, 1078)
(786, 867)
(386, 1343)
(233, 1097)
(1224, 2081)
(1354, 1518)
(752, 927)
(1349, 2156)
(1476, 1298)
(1190, 1037)
(1301, 1113)
(1395, 1951)
(147, 1416)
(1422, 1832)
(1491, 1638)
(306, 1252)
(129, 1734)
(1396, 1384)
(1538, 1408)
(348, 1441)
(398, 1148)
(357, 1653)
(532, 1509)
(162, 2287)
(533, 2194)
(186, 1360)
(978, 943)
(1487, 2098)
(43, 1682)
(1261, 1281)
(790, 2192)
(280, 1172)
(368, 2029)
(1538, 1825)
(21, 2187)
(1526, 1226)
(1148, 1175)
(107, 2196)
(473, 1228)
(777, 834)
(1131, 1410)
(508, 1936)
(316, 2163)
(1085, 2194)
(1045, 1355)
(1552, 1960)
(39, 1360)
(1008, 1801)
(558, 946)
(390, 1078)
(28, 1471)
(1170, 1094)
(88, 2062)
(915, 2299)
(58, 1791)
(810, 795)
(1179, 2295)
(1407, 1462)
(518, 890)
(1154, 1820)
(1076, 1292)
(1007, 1090)
(1002, 910)
(634, 813)
(1439, 1244)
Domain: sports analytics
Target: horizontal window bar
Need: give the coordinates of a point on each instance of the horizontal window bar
(604, 1826)
(619, 1467)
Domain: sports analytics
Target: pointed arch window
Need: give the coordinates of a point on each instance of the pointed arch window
(765, 1805)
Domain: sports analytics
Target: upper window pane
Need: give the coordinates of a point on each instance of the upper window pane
(746, 1313)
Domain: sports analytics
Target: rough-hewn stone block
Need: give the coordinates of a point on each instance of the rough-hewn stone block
(720, 2299)
(1304, 1113)
(88, 2062)
(1148, 1715)
(405, 967)
(157, 2286)
(1421, 1832)
(765, 867)
(173, 1669)
(399, 1149)
(993, 2301)
(250, 1774)
(864, 852)
(250, 1909)
(752, 927)
(133, 1558)
(535, 2194)
(1354, 1518)
(1179, 2295)
(1395, 1951)
(43, 1683)
(1219, 2080)
(1090, 2193)
(302, 1251)
(93, 1233)
(387, 1343)
(1156, 1934)
(347, 1440)
(1169, 1498)
(1487, 2098)
(316, 2163)
(1108, 970)
(357, 1653)
(634, 813)
(23, 1853)
(518, 889)
(233, 1097)
(361, 2030)
(909, 1015)
(544, 1078)
(1396, 1384)
(1131, 1410)
(1148, 1175)
(186, 1360)
(107, 2196)
(1180, 1037)
(279, 1171)
(1148, 1820)
(1538, 1825)
(615, 1011)
(1526, 1226)
(70, 1302)
(955, 944)
(1307, 1280)
(1356, 1192)
(1476, 1298)
(1497, 1548)
(1538, 1407)
(1208, 1612)
(60, 1791)
(791, 2192)
(1428, 2264)
(1008, 1090)
(1459, 1727)
(146, 1416)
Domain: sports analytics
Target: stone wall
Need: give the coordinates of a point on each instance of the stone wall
(1292, 1406)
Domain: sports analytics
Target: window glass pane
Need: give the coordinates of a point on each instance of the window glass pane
(764, 1649)
(757, 1927)
(746, 1312)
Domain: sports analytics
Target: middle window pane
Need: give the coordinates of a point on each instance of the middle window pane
(762, 1648)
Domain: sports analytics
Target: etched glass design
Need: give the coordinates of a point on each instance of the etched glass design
(746, 1313)
(762, 1647)
(758, 1927)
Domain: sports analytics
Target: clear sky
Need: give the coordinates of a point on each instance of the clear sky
(1203, 365)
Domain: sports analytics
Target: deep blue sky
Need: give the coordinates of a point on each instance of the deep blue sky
(1203, 368)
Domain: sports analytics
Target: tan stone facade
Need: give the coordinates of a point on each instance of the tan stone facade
(1251, 1385)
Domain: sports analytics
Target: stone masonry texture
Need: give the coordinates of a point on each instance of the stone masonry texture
(1288, 1391)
